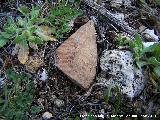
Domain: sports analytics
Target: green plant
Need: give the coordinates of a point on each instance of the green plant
(23, 29)
(109, 92)
(31, 28)
(155, 2)
(136, 45)
(107, 95)
(117, 103)
(16, 96)
(65, 2)
(60, 17)
(27, 29)
(144, 56)
(90, 116)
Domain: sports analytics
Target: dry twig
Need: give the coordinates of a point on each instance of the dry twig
(110, 18)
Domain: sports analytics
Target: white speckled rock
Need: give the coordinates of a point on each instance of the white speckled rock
(118, 69)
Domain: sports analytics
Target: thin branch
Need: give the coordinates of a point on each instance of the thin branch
(110, 18)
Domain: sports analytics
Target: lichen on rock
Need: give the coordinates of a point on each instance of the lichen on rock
(118, 70)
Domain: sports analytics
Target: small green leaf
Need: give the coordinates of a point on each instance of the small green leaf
(23, 9)
(142, 1)
(157, 70)
(6, 35)
(19, 115)
(157, 2)
(10, 20)
(153, 61)
(141, 63)
(1, 100)
(107, 95)
(76, 118)
(34, 14)
(19, 39)
(138, 41)
(10, 26)
(35, 109)
(11, 74)
(36, 40)
(2, 42)
(90, 116)
(32, 29)
(152, 48)
(21, 21)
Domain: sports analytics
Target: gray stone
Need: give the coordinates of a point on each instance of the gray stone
(150, 35)
(59, 103)
(118, 70)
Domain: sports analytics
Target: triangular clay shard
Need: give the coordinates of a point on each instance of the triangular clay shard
(77, 56)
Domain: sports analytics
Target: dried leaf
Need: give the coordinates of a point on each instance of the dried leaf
(34, 62)
(45, 33)
(33, 46)
(23, 54)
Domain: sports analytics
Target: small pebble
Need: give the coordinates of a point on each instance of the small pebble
(150, 35)
(116, 3)
(47, 115)
(43, 75)
(119, 16)
(59, 103)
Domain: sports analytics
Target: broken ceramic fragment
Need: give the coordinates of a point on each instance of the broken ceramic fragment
(77, 56)
(118, 70)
